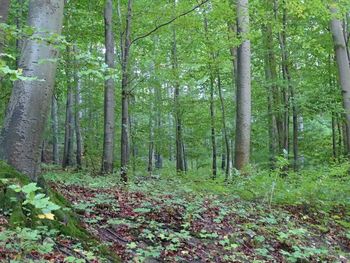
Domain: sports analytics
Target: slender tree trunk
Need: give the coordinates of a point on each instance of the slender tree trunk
(184, 157)
(4, 12)
(339, 128)
(243, 121)
(68, 148)
(223, 153)
(150, 146)
(212, 124)
(19, 25)
(28, 109)
(271, 77)
(180, 163)
(78, 137)
(212, 105)
(225, 132)
(158, 156)
(343, 70)
(109, 97)
(295, 131)
(334, 137)
(125, 94)
(54, 125)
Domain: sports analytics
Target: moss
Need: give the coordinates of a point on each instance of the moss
(17, 217)
(66, 221)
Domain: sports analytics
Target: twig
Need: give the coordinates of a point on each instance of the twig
(168, 22)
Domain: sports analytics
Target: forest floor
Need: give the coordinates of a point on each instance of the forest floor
(159, 220)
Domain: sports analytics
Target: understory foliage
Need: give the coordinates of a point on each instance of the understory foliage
(192, 217)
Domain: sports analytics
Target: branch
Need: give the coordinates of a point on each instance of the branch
(169, 22)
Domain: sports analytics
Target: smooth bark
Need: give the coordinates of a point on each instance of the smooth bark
(243, 120)
(224, 130)
(125, 94)
(109, 97)
(54, 127)
(180, 162)
(4, 12)
(28, 109)
(342, 60)
(78, 136)
(67, 159)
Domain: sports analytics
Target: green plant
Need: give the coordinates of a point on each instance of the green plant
(38, 200)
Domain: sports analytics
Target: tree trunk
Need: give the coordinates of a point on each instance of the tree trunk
(343, 69)
(78, 137)
(211, 101)
(67, 159)
(212, 124)
(109, 97)
(150, 146)
(180, 162)
(334, 137)
(243, 120)
(54, 126)
(125, 94)
(4, 12)
(27, 112)
(225, 133)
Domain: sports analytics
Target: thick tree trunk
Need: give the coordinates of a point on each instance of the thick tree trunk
(125, 94)
(343, 70)
(243, 120)
(109, 97)
(68, 148)
(27, 112)
(54, 126)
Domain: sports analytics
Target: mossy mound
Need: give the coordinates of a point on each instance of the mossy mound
(65, 220)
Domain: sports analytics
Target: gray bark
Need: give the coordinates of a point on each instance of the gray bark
(4, 12)
(28, 109)
(180, 162)
(125, 94)
(67, 159)
(243, 120)
(212, 128)
(225, 133)
(54, 126)
(109, 99)
(343, 69)
(78, 136)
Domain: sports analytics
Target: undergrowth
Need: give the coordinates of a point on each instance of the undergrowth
(323, 188)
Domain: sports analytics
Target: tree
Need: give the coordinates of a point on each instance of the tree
(243, 120)
(342, 60)
(28, 108)
(67, 159)
(4, 12)
(109, 99)
(125, 49)
(54, 126)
